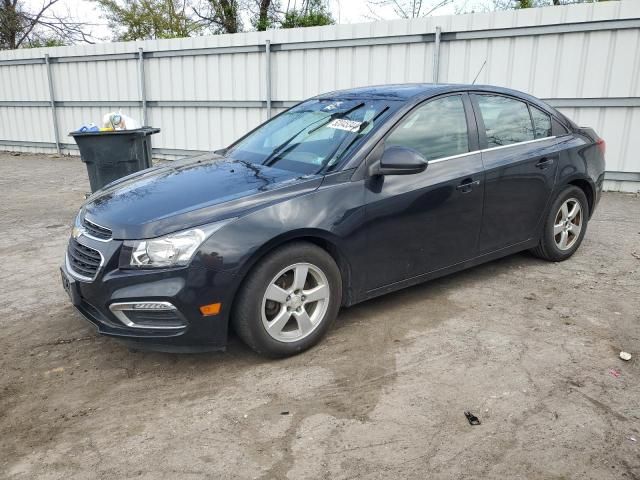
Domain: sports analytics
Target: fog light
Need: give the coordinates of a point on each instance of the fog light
(152, 306)
(148, 315)
(211, 309)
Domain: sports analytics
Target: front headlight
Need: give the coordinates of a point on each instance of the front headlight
(175, 249)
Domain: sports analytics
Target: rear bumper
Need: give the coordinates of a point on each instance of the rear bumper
(184, 289)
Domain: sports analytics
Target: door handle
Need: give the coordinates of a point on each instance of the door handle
(467, 185)
(544, 163)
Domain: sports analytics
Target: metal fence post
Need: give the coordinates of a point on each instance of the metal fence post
(52, 102)
(436, 55)
(267, 51)
(142, 86)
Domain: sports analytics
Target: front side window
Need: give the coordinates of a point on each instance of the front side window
(436, 129)
(315, 135)
(541, 123)
(506, 120)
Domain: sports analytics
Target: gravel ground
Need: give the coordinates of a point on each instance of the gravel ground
(530, 347)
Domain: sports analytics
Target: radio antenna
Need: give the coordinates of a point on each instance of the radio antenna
(479, 72)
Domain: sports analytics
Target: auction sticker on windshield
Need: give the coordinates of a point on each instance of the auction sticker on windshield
(342, 124)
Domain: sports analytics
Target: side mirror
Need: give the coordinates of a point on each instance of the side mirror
(397, 160)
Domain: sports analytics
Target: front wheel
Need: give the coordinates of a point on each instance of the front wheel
(289, 300)
(565, 225)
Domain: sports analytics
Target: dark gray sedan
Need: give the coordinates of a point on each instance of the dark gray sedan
(344, 197)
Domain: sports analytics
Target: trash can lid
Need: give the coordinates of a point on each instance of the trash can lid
(136, 131)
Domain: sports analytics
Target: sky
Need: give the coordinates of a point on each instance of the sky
(344, 11)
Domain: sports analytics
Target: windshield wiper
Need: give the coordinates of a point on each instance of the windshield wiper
(337, 115)
(362, 126)
(272, 158)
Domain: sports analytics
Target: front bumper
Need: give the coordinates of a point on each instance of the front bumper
(185, 289)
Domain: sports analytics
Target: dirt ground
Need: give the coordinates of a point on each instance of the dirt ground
(530, 347)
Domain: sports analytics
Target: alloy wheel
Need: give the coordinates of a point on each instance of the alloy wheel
(295, 302)
(567, 224)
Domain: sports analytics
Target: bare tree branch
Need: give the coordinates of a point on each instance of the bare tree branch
(33, 22)
(437, 6)
(21, 26)
(406, 8)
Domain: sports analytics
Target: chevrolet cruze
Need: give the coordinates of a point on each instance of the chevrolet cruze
(344, 197)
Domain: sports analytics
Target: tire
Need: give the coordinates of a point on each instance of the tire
(554, 246)
(274, 315)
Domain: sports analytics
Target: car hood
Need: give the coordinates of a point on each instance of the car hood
(188, 193)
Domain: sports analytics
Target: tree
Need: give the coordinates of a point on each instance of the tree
(312, 13)
(407, 8)
(518, 4)
(22, 26)
(221, 16)
(267, 15)
(45, 42)
(150, 19)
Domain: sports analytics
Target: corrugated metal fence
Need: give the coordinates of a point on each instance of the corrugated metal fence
(205, 92)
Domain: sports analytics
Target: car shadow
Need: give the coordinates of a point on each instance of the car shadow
(437, 287)
(362, 319)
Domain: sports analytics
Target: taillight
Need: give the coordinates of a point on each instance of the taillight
(602, 146)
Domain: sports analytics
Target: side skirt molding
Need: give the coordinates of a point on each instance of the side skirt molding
(519, 247)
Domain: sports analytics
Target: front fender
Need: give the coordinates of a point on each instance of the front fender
(330, 216)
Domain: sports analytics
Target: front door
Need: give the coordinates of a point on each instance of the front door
(420, 223)
(520, 157)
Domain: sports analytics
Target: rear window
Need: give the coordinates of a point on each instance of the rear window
(541, 123)
(558, 128)
(506, 120)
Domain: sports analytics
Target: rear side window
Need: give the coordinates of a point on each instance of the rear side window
(436, 129)
(506, 120)
(541, 123)
(558, 128)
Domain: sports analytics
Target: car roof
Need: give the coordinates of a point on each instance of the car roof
(401, 91)
(406, 91)
(415, 92)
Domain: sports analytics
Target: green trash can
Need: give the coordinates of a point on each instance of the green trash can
(113, 155)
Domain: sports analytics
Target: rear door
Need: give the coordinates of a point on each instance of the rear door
(419, 223)
(520, 157)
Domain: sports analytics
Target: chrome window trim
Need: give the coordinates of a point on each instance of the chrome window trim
(518, 143)
(119, 309)
(77, 275)
(452, 157)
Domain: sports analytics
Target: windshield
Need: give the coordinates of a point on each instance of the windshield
(312, 136)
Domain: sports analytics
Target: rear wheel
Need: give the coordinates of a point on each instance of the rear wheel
(565, 225)
(288, 301)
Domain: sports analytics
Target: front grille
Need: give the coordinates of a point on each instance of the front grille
(84, 261)
(95, 230)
